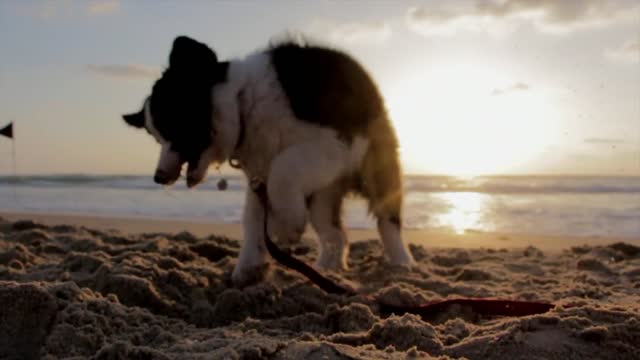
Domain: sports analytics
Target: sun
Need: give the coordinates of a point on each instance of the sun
(452, 121)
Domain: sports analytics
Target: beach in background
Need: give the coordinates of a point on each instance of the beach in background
(570, 206)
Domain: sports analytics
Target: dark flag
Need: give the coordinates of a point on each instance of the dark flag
(7, 131)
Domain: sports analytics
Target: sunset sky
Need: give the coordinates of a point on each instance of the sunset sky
(473, 87)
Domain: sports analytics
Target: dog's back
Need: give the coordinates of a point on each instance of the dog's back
(329, 88)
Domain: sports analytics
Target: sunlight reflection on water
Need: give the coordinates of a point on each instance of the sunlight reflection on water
(573, 206)
(464, 211)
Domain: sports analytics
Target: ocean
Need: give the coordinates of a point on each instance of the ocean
(544, 205)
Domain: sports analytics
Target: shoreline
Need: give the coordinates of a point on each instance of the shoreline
(427, 238)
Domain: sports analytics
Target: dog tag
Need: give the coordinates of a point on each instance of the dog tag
(222, 184)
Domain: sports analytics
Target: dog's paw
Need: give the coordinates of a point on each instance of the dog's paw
(334, 262)
(287, 236)
(286, 230)
(245, 276)
(402, 261)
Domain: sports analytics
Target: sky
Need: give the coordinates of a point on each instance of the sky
(472, 87)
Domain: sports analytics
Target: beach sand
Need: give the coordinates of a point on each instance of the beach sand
(82, 287)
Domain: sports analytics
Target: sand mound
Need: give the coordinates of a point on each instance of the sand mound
(74, 292)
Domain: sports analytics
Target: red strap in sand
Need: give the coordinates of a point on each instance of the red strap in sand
(487, 307)
(291, 262)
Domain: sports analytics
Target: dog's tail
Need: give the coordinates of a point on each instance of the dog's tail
(381, 174)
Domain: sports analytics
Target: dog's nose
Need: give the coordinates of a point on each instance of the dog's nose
(161, 178)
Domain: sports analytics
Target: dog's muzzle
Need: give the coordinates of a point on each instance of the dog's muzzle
(163, 178)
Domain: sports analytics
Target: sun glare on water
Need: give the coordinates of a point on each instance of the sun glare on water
(468, 120)
(466, 212)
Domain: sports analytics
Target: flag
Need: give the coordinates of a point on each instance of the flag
(7, 131)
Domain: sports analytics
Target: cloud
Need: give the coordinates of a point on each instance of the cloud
(517, 87)
(553, 15)
(53, 9)
(604, 141)
(103, 7)
(440, 20)
(366, 32)
(124, 71)
(628, 52)
(494, 17)
(47, 9)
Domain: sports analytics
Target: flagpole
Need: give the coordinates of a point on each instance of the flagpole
(13, 153)
(15, 173)
(8, 132)
(15, 167)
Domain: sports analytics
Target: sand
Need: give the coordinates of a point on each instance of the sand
(69, 291)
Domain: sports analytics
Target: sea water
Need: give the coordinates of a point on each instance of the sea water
(546, 205)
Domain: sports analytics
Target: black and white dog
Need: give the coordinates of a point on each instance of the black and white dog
(308, 120)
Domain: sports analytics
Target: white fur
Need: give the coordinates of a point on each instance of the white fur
(394, 247)
(296, 158)
(197, 174)
(332, 238)
(148, 123)
(169, 162)
(253, 255)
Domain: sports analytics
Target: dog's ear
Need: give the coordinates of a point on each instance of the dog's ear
(135, 119)
(190, 56)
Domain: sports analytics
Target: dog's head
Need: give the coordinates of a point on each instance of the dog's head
(179, 112)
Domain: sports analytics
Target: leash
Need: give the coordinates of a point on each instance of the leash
(486, 307)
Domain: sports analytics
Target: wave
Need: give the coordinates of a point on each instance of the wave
(525, 184)
(133, 182)
(425, 184)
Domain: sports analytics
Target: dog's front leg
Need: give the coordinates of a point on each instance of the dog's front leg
(252, 265)
(297, 173)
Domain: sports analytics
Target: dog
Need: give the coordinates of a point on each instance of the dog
(307, 120)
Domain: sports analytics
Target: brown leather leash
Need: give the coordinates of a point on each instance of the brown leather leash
(486, 307)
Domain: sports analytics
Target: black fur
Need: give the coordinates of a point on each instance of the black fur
(327, 88)
(180, 101)
(135, 119)
(395, 219)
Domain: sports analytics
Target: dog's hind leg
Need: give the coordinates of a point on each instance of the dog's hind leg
(381, 179)
(325, 210)
(389, 227)
(252, 262)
